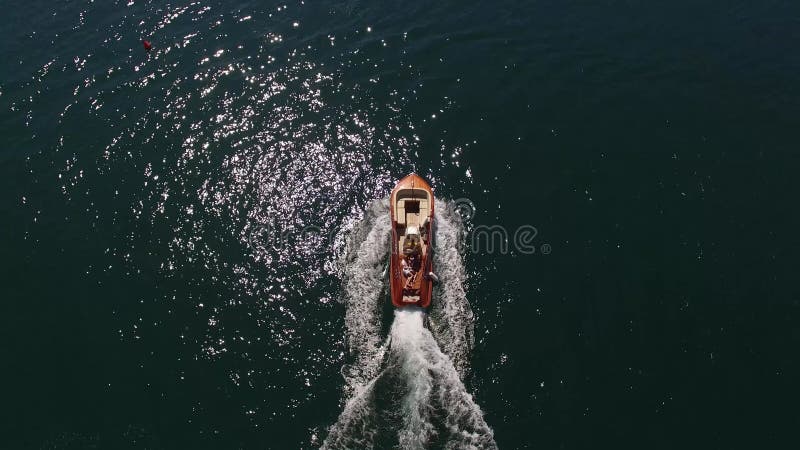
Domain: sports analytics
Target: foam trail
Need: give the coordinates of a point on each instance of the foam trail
(355, 427)
(437, 405)
(404, 391)
(451, 316)
(364, 262)
(409, 348)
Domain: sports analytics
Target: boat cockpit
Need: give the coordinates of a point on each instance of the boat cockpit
(413, 217)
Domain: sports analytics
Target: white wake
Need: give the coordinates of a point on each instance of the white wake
(363, 265)
(406, 390)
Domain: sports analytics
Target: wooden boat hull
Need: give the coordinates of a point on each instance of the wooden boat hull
(412, 211)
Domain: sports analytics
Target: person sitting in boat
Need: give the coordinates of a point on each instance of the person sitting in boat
(414, 262)
(406, 267)
(411, 245)
(411, 265)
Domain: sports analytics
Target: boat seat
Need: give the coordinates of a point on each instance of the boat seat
(401, 214)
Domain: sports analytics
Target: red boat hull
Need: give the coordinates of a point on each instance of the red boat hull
(412, 211)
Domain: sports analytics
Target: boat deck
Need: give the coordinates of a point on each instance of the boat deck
(412, 213)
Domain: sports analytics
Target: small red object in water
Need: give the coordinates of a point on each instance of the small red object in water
(147, 45)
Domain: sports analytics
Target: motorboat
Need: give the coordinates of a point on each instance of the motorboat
(411, 266)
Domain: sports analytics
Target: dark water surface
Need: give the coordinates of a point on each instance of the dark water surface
(147, 304)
